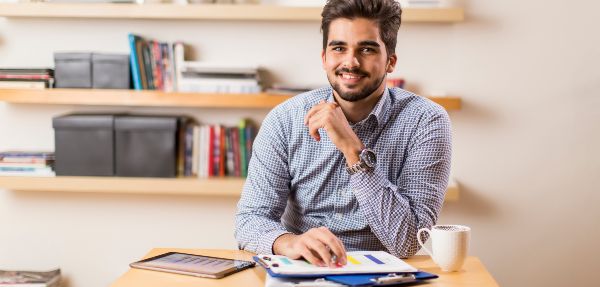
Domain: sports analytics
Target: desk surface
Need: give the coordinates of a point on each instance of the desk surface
(472, 274)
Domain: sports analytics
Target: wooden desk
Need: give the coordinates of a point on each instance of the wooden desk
(473, 273)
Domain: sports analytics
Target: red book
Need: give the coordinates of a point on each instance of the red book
(211, 144)
(222, 152)
(157, 66)
(235, 138)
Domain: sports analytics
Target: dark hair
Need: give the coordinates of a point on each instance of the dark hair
(386, 13)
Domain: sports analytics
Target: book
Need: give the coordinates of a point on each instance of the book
(147, 60)
(222, 155)
(139, 44)
(133, 56)
(195, 149)
(25, 77)
(27, 71)
(24, 84)
(30, 278)
(242, 143)
(235, 139)
(26, 154)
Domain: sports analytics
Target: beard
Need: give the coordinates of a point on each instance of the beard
(354, 96)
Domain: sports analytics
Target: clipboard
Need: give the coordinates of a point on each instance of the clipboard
(359, 262)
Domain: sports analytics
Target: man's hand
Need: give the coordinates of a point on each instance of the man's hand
(317, 245)
(331, 118)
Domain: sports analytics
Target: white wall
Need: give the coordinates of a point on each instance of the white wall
(525, 143)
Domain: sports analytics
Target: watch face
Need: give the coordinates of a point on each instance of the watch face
(368, 157)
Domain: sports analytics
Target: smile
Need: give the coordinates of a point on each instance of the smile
(350, 78)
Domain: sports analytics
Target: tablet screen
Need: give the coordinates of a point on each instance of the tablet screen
(195, 265)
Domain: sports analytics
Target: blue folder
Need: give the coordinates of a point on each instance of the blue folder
(381, 279)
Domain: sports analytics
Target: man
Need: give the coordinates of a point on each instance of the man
(354, 166)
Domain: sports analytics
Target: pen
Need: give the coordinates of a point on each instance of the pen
(394, 278)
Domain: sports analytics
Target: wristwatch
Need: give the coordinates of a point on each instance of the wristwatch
(367, 161)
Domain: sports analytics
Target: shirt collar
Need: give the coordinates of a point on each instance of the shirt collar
(379, 112)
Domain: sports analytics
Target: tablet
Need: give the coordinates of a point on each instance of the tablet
(194, 265)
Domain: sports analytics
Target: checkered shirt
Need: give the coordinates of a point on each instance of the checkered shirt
(295, 183)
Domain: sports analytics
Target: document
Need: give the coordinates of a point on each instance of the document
(359, 262)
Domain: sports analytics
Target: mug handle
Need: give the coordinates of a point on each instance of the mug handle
(421, 242)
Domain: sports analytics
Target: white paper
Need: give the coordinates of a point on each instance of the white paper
(358, 262)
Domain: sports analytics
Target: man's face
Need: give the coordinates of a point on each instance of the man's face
(355, 59)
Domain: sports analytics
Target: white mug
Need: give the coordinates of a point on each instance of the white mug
(450, 244)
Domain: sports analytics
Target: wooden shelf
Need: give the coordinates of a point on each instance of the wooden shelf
(202, 12)
(106, 97)
(99, 97)
(226, 187)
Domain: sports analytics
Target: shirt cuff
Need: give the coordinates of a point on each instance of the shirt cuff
(267, 240)
(364, 183)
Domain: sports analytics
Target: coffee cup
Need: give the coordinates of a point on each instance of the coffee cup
(450, 244)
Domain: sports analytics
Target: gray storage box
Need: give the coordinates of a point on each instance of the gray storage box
(110, 71)
(73, 70)
(84, 144)
(146, 146)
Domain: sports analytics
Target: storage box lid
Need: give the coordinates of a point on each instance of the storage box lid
(84, 121)
(112, 58)
(146, 123)
(72, 56)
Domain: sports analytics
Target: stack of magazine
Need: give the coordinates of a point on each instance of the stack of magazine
(30, 278)
(26, 78)
(22, 163)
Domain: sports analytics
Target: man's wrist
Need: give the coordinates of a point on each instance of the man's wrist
(282, 243)
(351, 153)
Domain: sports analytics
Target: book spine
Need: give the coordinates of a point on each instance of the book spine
(216, 160)
(147, 57)
(211, 150)
(205, 150)
(23, 164)
(222, 152)
(178, 56)
(181, 142)
(139, 46)
(42, 84)
(195, 149)
(133, 60)
(249, 140)
(242, 144)
(236, 150)
(25, 77)
(156, 65)
(189, 145)
(230, 162)
(167, 67)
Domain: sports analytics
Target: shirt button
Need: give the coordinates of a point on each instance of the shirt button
(338, 215)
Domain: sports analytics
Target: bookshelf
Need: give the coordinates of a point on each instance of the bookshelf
(99, 97)
(217, 187)
(203, 12)
(228, 187)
